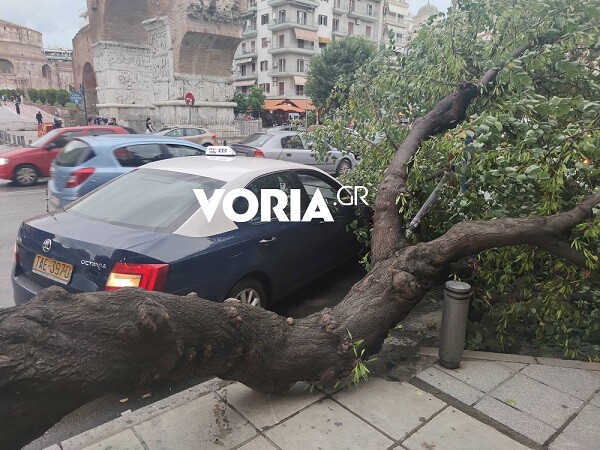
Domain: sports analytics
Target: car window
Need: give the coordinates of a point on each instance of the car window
(138, 155)
(281, 181)
(293, 141)
(100, 132)
(193, 132)
(74, 154)
(177, 150)
(312, 184)
(177, 132)
(256, 139)
(61, 141)
(152, 199)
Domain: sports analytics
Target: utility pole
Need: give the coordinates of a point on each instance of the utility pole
(82, 92)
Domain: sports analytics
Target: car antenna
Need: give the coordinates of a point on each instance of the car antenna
(47, 200)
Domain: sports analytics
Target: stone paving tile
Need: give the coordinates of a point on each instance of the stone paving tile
(450, 385)
(538, 400)
(576, 382)
(377, 402)
(489, 356)
(515, 367)
(204, 423)
(520, 422)
(453, 429)
(482, 375)
(565, 442)
(258, 443)
(265, 410)
(53, 447)
(585, 365)
(125, 440)
(329, 426)
(584, 430)
(596, 400)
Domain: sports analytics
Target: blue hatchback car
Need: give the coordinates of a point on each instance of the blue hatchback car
(88, 162)
(146, 229)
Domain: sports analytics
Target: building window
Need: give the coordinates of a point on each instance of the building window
(266, 87)
(281, 88)
(281, 40)
(244, 47)
(244, 89)
(253, 67)
(300, 65)
(264, 65)
(281, 65)
(350, 28)
(281, 16)
(299, 89)
(322, 20)
(368, 31)
(264, 19)
(337, 3)
(370, 10)
(336, 25)
(243, 70)
(264, 42)
(351, 5)
(253, 47)
(301, 15)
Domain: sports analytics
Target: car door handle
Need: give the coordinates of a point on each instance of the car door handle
(267, 241)
(288, 154)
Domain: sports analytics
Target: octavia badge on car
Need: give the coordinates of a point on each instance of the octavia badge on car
(47, 245)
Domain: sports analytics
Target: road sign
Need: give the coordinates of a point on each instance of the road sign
(76, 98)
(189, 99)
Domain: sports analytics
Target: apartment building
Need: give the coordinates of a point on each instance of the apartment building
(398, 22)
(280, 37)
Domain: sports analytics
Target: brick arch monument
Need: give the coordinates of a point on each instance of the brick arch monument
(146, 54)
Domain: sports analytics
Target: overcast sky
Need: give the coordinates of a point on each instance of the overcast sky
(59, 21)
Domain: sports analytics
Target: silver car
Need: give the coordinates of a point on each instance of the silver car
(295, 146)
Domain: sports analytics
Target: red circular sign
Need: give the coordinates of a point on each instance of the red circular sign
(189, 99)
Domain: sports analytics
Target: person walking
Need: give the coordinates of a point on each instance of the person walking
(149, 126)
(112, 121)
(18, 107)
(39, 118)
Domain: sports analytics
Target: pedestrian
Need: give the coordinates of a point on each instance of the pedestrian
(39, 118)
(149, 126)
(18, 107)
(112, 121)
(57, 122)
(90, 121)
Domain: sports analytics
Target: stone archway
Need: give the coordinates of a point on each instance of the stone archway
(89, 82)
(206, 54)
(6, 67)
(46, 71)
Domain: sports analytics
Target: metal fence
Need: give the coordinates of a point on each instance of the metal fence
(11, 139)
(227, 131)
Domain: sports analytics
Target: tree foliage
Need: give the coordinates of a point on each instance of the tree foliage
(531, 146)
(241, 103)
(335, 67)
(256, 100)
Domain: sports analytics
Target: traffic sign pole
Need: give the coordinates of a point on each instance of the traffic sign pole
(82, 91)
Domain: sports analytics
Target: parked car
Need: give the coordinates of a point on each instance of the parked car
(26, 164)
(294, 146)
(87, 163)
(146, 229)
(194, 134)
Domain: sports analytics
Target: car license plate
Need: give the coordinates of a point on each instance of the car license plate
(53, 269)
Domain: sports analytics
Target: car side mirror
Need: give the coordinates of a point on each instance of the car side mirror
(51, 146)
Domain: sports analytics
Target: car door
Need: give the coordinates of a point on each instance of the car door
(293, 150)
(194, 135)
(337, 244)
(180, 150)
(324, 161)
(128, 157)
(287, 248)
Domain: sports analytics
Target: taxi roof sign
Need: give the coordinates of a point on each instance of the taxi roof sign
(219, 150)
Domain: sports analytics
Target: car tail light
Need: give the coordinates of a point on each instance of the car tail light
(151, 277)
(79, 176)
(17, 258)
(258, 153)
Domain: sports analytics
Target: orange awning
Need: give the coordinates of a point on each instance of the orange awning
(294, 105)
(324, 40)
(306, 35)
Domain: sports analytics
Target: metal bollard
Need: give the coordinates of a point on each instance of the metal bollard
(454, 323)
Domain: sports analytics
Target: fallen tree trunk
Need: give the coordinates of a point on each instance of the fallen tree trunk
(60, 350)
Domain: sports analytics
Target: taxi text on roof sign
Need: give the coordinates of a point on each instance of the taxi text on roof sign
(219, 150)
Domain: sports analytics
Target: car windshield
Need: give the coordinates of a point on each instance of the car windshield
(150, 199)
(256, 139)
(45, 139)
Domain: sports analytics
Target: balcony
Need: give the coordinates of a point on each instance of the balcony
(306, 3)
(282, 24)
(237, 76)
(287, 73)
(245, 55)
(249, 32)
(340, 32)
(277, 49)
(362, 14)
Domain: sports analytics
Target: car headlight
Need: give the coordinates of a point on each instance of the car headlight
(3, 161)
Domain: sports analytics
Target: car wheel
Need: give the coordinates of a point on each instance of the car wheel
(250, 292)
(343, 167)
(25, 175)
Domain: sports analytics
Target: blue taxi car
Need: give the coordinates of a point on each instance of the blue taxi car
(146, 229)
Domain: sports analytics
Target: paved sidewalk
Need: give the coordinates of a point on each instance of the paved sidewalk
(494, 401)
